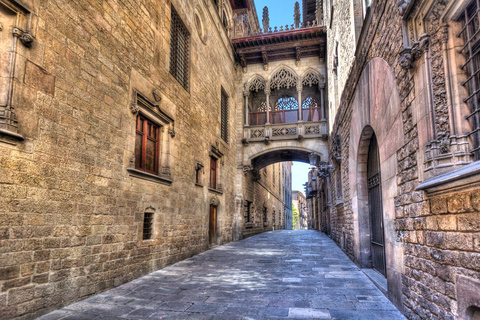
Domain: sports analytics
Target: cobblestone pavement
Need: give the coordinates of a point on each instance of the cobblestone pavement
(276, 275)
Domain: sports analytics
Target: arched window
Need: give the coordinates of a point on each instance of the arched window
(285, 111)
(286, 103)
(310, 102)
(311, 109)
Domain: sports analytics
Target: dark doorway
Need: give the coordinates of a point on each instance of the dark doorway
(377, 239)
(212, 228)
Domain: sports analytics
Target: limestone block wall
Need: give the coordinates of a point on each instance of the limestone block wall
(266, 192)
(433, 236)
(70, 213)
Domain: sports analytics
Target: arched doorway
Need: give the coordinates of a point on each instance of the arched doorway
(375, 207)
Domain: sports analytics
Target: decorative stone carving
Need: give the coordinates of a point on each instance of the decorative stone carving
(25, 37)
(420, 46)
(336, 153)
(1, 26)
(296, 15)
(265, 60)
(214, 201)
(298, 55)
(406, 58)
(157, 95)
(311, 79)
(283, 79)
(134, 107)
(257, 84)
(319, 12)
(404, 6)
(409, 55)
(247, 169)
(265, 20)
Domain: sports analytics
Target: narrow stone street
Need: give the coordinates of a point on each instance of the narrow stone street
(276, 275)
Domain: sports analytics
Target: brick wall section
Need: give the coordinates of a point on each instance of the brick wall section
(70, 214)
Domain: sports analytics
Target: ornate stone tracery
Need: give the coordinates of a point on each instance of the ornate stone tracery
(283, 79)
(257, 84)
(310, 79)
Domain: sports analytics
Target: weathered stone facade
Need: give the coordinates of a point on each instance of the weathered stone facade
(72, 203)
(300, 203)
(404, 87)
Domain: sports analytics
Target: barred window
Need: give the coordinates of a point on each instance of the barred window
(180, 53)
(471, 35)
(224, 116)
(148, 225)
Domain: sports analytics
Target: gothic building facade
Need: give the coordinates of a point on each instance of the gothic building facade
(401, 193)
(137, 134)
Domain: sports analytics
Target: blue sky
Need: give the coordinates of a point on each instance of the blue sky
(299, 175)
(280, 11)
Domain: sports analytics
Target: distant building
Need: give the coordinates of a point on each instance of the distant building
(300, 203)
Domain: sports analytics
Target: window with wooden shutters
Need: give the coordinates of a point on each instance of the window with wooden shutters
(147, 145)
(471, 35)
(213, 173)
(224, 116)
(180, 50)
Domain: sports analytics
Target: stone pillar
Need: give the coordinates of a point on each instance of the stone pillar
(299, 90)
(246, 94)
(267, 94)
(322, 100)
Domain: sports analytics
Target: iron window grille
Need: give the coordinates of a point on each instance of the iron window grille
(248, 213)
(180, 50)
(470, 33)
(147, 225)
(147, 144)
(224, 115)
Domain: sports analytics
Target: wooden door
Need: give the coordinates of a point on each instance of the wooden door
(212, 228)
(377, 239)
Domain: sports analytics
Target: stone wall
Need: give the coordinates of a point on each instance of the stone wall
(432, 244)
(70, 213)
(265, 191)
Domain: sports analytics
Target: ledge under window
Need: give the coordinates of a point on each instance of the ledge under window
(148, 176)
(248, 225)
(466, 177)
(217, 191)
(11, 134)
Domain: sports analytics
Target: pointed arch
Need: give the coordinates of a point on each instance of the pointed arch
(256, 83)
(312, 77)
(283, 77)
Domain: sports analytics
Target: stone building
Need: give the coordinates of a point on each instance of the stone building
(401, 192)
(134, 134)
(119, 144)
(300, 203)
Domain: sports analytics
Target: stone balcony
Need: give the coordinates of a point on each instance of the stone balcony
(291, 131)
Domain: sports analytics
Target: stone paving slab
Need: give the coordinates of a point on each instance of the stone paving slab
(284, 274)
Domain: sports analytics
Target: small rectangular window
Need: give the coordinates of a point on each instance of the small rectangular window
(147, 225)
(471, 36)
(224, 112)
(146, 145)
(213, 173)
(180, 50)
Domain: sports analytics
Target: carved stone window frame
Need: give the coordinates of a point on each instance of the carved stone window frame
(152, 111)
(216, 155)
(20, 34)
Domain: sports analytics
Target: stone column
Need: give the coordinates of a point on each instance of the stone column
(299, 90)
(267, 94)
(322, 100)
(246, 94)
